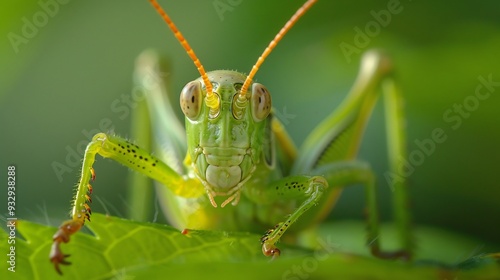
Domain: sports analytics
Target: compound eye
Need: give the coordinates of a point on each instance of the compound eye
(191, 99)
(261, 102)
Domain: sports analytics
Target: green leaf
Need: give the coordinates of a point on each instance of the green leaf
(120, 246)
(122, 249)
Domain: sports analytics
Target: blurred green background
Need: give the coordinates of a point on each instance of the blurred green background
(59, 84)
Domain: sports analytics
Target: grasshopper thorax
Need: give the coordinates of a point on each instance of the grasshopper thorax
(225, 142)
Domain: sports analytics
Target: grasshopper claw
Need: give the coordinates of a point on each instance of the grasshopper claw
(62, 236)
(269, 250)
(57, 257)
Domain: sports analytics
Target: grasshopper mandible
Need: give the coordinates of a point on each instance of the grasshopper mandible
(239, 153)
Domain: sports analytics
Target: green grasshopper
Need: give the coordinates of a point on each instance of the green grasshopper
(239, 153)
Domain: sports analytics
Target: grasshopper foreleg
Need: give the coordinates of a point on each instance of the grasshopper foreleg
(130, 155)
(310, 188)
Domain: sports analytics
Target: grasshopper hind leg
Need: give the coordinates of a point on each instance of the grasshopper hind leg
(331, 150)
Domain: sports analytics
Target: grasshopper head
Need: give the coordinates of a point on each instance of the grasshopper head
(227, 142)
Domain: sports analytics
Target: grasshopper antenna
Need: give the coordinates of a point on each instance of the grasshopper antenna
(211, 100)
(300, 12)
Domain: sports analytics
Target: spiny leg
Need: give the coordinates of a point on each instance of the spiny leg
(156, 127)
(339, 136)
(130, 155)
(396, 147)
(312, 188)
(308, 188)
(348, 173)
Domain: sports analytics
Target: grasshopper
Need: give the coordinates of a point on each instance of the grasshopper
(238, 153)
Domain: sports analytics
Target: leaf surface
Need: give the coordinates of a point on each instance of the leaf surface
(123, 249)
